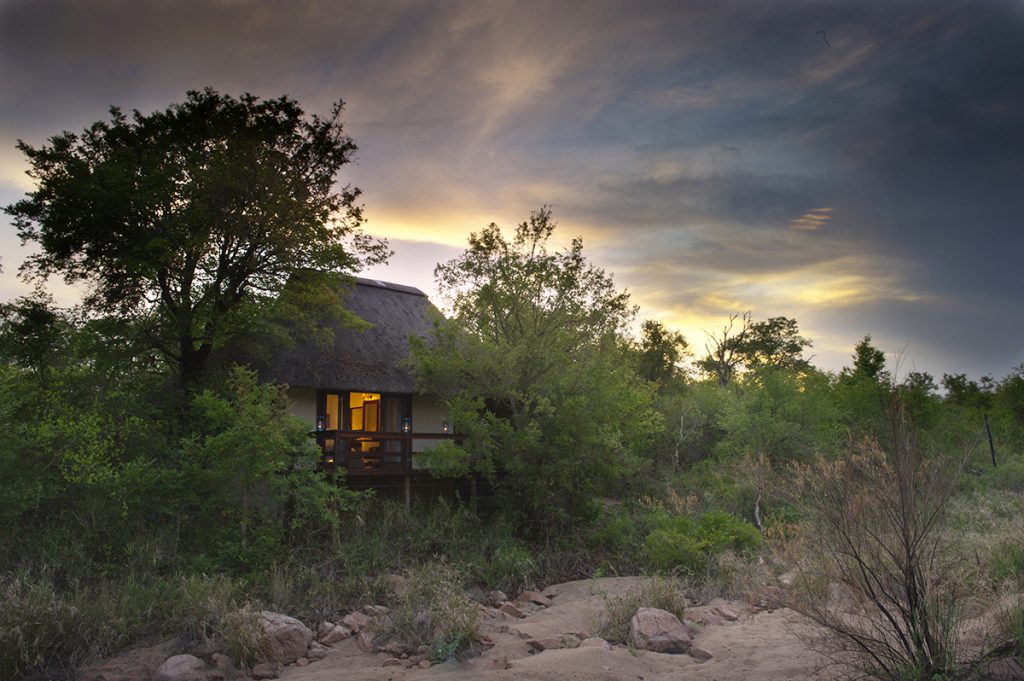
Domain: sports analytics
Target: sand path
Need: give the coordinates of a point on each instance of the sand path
(759, 645)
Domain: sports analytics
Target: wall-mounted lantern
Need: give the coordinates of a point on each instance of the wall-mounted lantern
(406, 426)
(446, 426)
(320, 423)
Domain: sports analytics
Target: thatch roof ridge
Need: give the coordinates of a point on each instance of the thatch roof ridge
(362, 359)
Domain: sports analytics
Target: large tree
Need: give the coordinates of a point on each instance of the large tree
(534, 366)
(184, 220)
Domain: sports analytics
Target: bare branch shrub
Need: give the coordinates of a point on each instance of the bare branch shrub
(878, 573)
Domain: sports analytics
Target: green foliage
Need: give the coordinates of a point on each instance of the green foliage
(535, 375)
(511, 567)
(189, 218)
(1007, 562)
(659, 352)
(250, 465)
(689, 546)
(782, 415)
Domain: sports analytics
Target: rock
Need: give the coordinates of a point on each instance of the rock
(495, 598)
(424, 664)
(181, 668)
(476, 594)
(292, 636)
(302, 662)
(356, 621)
(223, 662)
(501, 662)
(392, 662)
(318, 651)
(339, 633)
(658, 631)
(375, 610)
(534, 597)
(725, 613)
(702, 617)
(700, 654)
(397, 647)
(264, 670)
(324, 628)
(595, 642)
(554, 642)
(510, 609)
(365, 642)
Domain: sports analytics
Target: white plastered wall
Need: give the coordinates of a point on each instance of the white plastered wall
(302, 404)
(427, 415)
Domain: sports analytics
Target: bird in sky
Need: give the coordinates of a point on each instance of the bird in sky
(824, 37)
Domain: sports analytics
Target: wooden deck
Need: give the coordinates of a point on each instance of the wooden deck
(361, 453)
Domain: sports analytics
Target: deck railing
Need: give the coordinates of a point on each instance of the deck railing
(360, 452)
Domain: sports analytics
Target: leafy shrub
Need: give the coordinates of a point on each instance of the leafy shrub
(511, 568)
(433, 610)
(612, 623)
(690, 546)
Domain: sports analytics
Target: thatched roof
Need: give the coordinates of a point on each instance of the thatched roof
(362, 359)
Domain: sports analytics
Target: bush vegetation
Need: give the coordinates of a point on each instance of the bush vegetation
(150, 488)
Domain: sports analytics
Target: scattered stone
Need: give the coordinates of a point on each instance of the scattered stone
(659, 631)
(181, 668)
(375, 610)
(356, 621)
(582, 635)
(365, 642)
(476, 594)
(725, 613)
(339, 633)
(422, 650)
(487, 642)
(700, 654)
(595, 642)
(787, 578)
(424, 664)
(291, 636)
(264, 670)
(318, 651)
(302, 662)
(510, 609)
(223, 662)
(501, 662)
(702, 617)
(392, 662)
(554, 642)
(521, 634)
(324, 628)
(397, 647)
(534, 597)
(495, 598)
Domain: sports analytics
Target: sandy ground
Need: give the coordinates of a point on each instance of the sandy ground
(761, 645)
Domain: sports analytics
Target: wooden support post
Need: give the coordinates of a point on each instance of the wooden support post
(408, 492)
(991, 445)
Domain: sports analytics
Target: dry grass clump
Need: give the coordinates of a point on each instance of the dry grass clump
(657, 592)
(433, 610)
(880, 572)
(244, 637)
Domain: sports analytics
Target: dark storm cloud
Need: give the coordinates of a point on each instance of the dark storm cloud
(717, 155)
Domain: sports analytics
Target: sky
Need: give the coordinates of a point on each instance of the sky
(858, 166)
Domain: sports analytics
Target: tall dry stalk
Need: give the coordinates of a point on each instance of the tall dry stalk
(878, 573)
